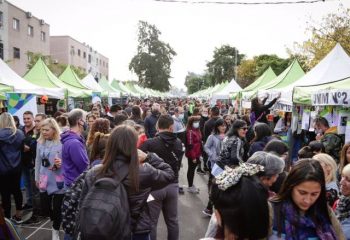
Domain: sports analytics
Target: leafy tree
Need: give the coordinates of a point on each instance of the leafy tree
(153, 59)
(55, 68)
(246, 72)
(265, 61)
(222, 67)
(333, 28)
(195, 82)
(250, 69)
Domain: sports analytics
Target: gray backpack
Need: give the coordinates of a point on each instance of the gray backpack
(104, 212)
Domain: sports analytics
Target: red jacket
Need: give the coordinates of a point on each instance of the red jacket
(194, 143)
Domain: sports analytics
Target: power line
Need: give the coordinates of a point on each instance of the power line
(241, 3)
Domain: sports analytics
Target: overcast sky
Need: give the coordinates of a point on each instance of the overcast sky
(193, 30)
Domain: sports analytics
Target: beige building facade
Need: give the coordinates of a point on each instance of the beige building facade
(65, 49)
(20, 33)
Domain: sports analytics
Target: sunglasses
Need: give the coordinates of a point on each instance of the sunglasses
(244, 128)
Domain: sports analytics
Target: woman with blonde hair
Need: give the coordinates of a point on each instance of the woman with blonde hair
(11, 145)
(329, 168)
(48, 172)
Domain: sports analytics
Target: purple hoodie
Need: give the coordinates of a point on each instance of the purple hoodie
(74, 156)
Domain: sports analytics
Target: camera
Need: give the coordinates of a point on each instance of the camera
(45, 162)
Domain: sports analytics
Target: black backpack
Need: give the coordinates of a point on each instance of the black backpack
(70, 205)
(104, 212)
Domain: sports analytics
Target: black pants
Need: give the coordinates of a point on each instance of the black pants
(52, 204)
(210, 183)
(10, 185)
(190, 171)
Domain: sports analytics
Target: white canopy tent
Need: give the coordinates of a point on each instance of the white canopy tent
(224, 93)
(90, 82)
(335, 66)
(20, 85)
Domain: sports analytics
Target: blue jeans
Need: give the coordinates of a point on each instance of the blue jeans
(68, 237)
(27, 176)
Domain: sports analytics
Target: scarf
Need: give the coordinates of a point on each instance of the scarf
(302, 227)
(343, 208)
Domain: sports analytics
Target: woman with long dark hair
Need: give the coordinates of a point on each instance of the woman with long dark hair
(262, 133)
(140, 173)
(241, 206)
(300, 209)
(232, 150)
(213, 148)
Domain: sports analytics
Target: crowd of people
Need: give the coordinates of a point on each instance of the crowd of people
(109, 174)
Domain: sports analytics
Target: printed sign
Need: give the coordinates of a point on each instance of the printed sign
(331, 97)
(283, 107)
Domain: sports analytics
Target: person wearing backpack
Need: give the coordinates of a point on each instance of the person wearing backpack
(48, 173)
(115, 195)
(328, 136)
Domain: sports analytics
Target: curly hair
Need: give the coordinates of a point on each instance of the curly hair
(100, 125)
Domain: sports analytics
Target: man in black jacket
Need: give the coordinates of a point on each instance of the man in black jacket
(168, 147)
(151, 121)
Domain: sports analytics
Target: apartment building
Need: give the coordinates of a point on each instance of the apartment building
(20, 33)
(65, 49)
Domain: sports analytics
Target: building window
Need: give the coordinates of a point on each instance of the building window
(1, 50)
(79, 52)
(16, 53)
(84, 54)
(100, 62)
(96, 61)
(15, 24)
(72, 51)
(30, 31)
(103, 63)
(43, 36)
(107, 64)
(1, 19)
(89, 58)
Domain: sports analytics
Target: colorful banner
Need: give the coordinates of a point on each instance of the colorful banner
(19, 103)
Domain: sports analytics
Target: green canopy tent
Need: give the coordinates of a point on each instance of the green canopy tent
(264, 79)
(120, 86)
(112, 92)
(41, 75)
(287, 77)
(3, 90)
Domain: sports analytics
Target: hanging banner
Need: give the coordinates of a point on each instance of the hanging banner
(313, 115)
(19, 103)
(347, 131)
(305, 121)
(344, 117)
(331, 97)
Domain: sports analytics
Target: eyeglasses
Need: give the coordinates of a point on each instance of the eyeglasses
(244, 128)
